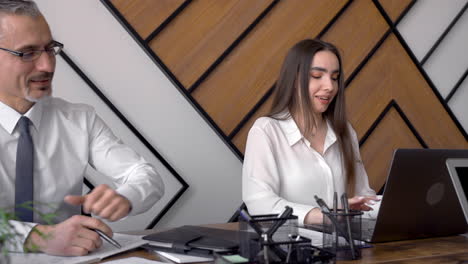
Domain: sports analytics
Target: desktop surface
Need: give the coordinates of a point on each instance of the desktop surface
(451, 249)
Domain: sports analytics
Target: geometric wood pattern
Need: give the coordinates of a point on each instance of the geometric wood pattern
(391, 132)
(145, 14)
(219, 23)
(246, 75)
(390, 75)
(225, 57)
(368, 28)
(394, 8)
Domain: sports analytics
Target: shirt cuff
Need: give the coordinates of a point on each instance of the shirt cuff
(301, 211)
(133, 197)
(22, 230)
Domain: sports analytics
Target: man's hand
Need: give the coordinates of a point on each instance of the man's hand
(362, 202)
(71, 237)
(103, 202)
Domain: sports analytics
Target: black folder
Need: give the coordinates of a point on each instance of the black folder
(198, 241)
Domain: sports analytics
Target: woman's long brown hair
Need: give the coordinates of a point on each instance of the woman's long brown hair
(294, 75)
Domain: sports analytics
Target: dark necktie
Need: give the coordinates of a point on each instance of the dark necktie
(24, 185)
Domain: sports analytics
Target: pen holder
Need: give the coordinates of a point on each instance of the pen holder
(251, 247)
(338, 227)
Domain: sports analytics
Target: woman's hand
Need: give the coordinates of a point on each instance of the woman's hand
(362, 203)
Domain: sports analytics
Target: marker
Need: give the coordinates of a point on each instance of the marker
(107, 238)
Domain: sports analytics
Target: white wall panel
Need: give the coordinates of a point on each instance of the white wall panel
(77, 90)
(450, 60)
(118, 66)
(426, 21)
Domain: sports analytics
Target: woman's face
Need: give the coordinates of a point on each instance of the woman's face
(323, 81)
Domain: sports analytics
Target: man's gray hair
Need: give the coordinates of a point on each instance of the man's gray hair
(19, 7)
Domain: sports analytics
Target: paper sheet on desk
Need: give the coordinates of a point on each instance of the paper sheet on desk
(178, 258)
(134, 260)
(181, 258)
(128, 242)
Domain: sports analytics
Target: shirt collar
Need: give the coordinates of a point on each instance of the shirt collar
(291, 130)
(293, 134)
(9, 117)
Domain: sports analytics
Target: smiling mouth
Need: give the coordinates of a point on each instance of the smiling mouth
(323, 98)
(41, 82)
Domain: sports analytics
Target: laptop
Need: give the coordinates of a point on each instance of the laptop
(458, 170)
(419, 198)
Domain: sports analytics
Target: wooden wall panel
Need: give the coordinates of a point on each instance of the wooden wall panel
(362, 25)
(367, 96)
(243, 77)
(377, 152)
(200, 34)
(146, 15)
(394, 8)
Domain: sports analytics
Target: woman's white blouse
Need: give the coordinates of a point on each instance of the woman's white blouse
(281, 168)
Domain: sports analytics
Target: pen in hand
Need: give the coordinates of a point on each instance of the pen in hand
(107, 238)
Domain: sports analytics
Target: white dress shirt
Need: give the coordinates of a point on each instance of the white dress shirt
(281, 168)
(67, 138)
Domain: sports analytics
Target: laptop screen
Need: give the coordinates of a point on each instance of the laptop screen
(458, 169)
(463, 177)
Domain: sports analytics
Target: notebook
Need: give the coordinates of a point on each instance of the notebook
(419, 199)
(197, 240)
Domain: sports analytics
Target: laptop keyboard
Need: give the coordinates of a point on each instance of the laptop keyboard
(368, 227)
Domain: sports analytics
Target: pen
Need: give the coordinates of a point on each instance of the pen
(107, 238)
(344, 201)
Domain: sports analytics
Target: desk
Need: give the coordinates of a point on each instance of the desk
(452, 249)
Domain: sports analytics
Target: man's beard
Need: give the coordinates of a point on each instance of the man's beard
(35, 100)
(43, 75)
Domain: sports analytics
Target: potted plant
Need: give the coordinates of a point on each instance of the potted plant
(8, 234)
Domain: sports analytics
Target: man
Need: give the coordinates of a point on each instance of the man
(46, 144)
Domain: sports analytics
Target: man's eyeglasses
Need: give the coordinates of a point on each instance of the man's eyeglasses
(53, 49)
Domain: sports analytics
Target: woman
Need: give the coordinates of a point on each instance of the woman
(305, 146)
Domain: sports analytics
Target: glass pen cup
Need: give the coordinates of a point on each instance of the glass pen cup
(342, 233)
(282, 237)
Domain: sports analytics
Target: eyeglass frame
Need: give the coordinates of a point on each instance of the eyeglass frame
(48, 50)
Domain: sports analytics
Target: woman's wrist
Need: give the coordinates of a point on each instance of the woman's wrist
(314, 216)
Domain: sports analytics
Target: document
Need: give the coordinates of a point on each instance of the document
(128, 242)
(134, 260)
(182, 258)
